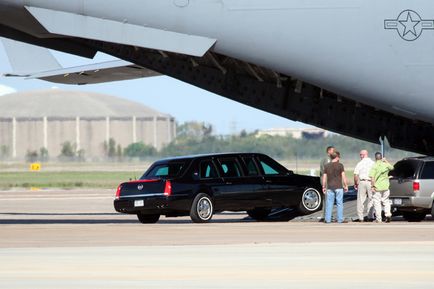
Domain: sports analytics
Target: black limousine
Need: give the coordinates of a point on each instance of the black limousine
(202, 185)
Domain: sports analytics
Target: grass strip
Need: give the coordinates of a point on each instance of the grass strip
(66, 180)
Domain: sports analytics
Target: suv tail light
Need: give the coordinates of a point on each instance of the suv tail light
(168, 188)
(416, 186)
(118, 192)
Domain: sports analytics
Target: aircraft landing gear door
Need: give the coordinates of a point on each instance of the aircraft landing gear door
(277, 184)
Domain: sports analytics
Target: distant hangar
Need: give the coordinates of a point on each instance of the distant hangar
(32, 120)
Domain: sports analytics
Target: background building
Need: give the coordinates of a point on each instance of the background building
(33, 120)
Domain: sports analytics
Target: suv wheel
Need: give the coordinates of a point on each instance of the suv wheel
(148, 219)
(310, 201)
(259, 214)
(202, 208)
(414, 217)
(432, 210)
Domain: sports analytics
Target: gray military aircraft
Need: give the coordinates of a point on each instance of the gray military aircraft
(363, 68)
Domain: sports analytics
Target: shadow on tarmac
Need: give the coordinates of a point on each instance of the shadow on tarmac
(85, 221)
(278, 215)
(172, 221)
(62, 222)
(59, 214)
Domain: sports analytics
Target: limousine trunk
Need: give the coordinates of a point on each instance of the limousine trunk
(144, 188)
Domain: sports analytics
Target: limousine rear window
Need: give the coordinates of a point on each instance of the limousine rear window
(168, 170)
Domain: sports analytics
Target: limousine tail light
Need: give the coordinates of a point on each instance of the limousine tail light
(118, 192)
(168, 188)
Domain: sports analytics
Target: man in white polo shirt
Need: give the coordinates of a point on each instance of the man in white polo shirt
(362, 183)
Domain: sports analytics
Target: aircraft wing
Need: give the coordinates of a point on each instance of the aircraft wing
(95, 73)
(75, 25)
(33, 62)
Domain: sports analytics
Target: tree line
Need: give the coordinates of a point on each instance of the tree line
(198, 138)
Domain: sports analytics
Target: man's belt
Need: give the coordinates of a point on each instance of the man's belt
(365, 180)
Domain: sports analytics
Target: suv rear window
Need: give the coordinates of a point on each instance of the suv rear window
(405, 169)
(168, 170)
(428, 171)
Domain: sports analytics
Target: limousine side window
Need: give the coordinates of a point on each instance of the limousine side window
(208, 170)
(270, 167)
(230, 168)
(252, 169)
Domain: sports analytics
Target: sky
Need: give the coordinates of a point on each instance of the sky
(183, 101)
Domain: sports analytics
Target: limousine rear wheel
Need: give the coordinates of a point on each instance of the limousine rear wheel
(202, 208)
(148, 219)
(310, 201)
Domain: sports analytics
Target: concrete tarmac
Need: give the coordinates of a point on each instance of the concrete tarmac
(74, 239)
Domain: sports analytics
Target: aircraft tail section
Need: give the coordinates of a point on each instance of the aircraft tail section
(25, 58)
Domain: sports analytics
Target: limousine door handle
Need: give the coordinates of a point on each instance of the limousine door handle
(268, 181)
(228, 183)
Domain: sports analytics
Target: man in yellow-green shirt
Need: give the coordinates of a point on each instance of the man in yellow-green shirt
(379, 175)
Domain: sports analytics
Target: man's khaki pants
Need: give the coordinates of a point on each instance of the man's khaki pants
(381, 199)
(364, 192)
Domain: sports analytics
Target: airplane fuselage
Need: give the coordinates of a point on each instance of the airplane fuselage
(376, 53)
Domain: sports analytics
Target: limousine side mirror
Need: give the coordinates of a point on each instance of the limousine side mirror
(290, 173)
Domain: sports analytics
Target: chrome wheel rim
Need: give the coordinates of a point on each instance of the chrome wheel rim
(204, 208)
(311, 199)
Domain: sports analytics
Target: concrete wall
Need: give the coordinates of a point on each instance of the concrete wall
(21, 135)
(92, 135)
(59, 131)
(6, 134)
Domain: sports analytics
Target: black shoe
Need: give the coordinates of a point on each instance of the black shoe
(388, 219)
(322, 220)
(366, 219)
(358, 221)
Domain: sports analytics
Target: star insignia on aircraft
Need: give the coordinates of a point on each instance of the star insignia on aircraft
(409, 25)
